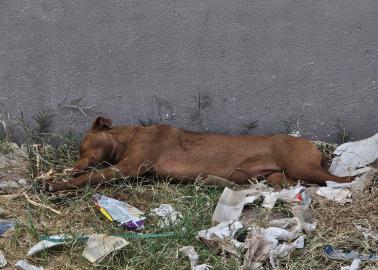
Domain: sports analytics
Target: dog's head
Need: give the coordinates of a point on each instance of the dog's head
(97, 145)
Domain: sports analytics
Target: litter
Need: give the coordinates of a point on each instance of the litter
(222, 230)
(305, 219)
(367, 232)
(361, 183)
(3, 261)
(257, 249)
(101, 245)
(339, 195)
(342, 192)
(231, 203)
(230, 206)
(354, 266)
(54, 240)
(352, 157)
(274, 234)
(168, 215)
(295, 224)
(193, 257)
(24, 265)
(336, 254)
(222, 236)
(2, 210)
(6, 225)
(263, 243)
(284, 249)
(121, 212)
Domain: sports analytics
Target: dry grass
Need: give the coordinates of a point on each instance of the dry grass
(196, 203)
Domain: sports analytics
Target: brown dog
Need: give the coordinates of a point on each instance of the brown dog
(185, 155)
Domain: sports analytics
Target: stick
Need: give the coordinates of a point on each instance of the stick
(41, 205)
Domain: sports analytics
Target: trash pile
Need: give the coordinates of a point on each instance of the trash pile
(272, 242)
(236, 229)
(284, 235)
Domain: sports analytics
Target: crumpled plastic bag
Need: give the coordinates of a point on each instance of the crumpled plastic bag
(294, 224)
(284, 249)
(222, 236)
(168, 215)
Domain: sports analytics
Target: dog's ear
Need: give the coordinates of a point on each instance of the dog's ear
(102, 123)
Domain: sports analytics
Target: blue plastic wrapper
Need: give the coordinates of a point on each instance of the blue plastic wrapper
(336, 254)
(6, 224)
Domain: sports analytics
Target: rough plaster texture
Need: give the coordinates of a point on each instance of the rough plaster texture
(203, 65)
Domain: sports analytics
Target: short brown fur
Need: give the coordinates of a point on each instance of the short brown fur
(170, 151)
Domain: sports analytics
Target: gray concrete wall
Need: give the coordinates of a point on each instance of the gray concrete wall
(203, 65)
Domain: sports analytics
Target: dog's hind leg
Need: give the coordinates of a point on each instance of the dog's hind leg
(313, 173)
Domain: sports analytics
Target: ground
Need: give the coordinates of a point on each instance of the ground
(195, 202)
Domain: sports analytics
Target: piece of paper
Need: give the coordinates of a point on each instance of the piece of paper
(230, 206)
(339, 195)
(263, 243)
(353, 157)
(46, 244)
(257, 249)
(24, 265)
(100, 245)
(193, 257)
(284, 249)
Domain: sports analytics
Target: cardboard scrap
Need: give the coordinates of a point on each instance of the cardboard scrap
(100, 245)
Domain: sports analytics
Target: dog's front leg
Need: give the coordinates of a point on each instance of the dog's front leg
(98, 177)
